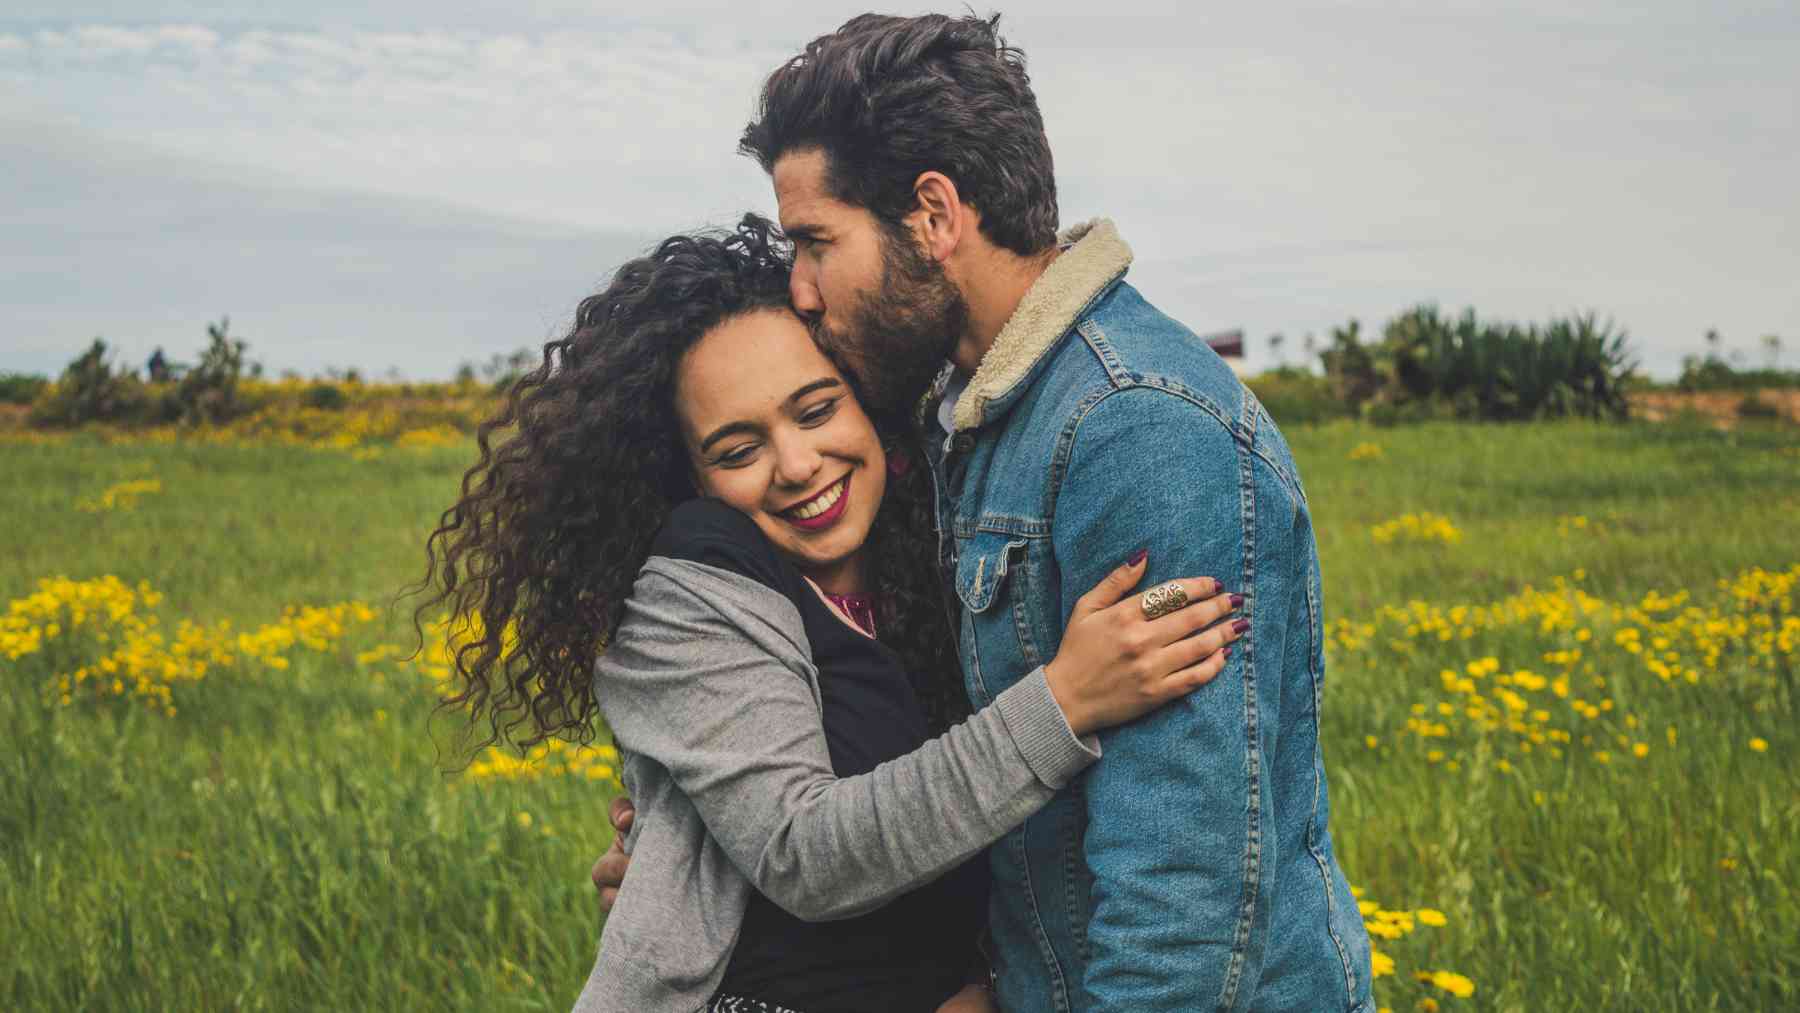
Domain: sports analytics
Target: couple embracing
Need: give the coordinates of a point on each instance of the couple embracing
(956, 612)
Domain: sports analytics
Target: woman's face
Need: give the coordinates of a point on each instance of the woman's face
(772, 428)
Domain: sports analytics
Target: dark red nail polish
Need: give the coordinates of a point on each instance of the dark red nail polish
(1237, 601)
(1137, 557)
(1240, 626)
(1225, 652)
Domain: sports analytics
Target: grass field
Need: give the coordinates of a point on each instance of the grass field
(1559, 726)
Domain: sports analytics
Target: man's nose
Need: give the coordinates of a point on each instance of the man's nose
(805, 295)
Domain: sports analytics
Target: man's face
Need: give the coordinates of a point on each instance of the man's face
(876, 304)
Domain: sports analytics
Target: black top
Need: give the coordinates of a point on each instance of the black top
(911, 954)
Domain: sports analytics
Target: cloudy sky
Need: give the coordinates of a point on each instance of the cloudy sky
(407, 186)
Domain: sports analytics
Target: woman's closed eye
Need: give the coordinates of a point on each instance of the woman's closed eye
(819, 413)
(736, 456)
(812, 417)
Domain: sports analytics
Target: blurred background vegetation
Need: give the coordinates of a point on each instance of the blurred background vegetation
(1560, 726)
(1424, 365)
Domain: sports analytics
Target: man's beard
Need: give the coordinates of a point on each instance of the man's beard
(900, 335)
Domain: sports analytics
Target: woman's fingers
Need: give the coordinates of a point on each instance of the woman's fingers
(1207, 602)
(1199, 614)
(1183, 654)
(1112, 587)
(1195, 676)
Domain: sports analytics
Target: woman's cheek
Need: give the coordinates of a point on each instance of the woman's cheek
(733, 485)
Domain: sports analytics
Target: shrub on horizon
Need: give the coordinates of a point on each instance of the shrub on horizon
(21, 388)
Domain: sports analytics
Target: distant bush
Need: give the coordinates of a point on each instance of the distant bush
(92, 390)
(1429, 366)
(21, 388)
(1754, 407)
(1353, 371)
(1713, 373)
(325, 397)
(1505, 372)
(207, 394)
(1294, 396)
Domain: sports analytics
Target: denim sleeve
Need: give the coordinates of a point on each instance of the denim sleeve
(1171, 836)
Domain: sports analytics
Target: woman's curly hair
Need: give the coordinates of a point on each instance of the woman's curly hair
(538, 555)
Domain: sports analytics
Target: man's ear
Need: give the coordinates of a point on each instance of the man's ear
(941, 218)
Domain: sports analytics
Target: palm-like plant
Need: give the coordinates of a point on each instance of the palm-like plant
(1501, 371)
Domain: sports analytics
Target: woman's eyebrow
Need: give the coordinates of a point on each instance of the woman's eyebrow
(816, 385)
(728, 429)
(733, 428)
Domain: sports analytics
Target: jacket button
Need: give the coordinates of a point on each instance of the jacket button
(963, 443)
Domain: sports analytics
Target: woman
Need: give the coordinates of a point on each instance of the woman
(693, 486)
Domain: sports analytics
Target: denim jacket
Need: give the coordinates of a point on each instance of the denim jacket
(1192, 868)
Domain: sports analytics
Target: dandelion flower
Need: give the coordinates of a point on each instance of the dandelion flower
(1381, 965)
(1453, 983)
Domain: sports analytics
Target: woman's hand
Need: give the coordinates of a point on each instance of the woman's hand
(972, 999)
(1116, 665)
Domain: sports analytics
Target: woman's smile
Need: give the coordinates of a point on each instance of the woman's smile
(821, 511)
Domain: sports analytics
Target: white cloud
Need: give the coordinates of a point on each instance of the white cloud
(632, 118)
(105, 40)
(195, 37)
(1275, 169)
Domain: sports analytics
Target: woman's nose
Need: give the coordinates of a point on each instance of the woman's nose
(796, 462)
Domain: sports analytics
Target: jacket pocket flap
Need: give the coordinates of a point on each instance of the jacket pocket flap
(983, 562)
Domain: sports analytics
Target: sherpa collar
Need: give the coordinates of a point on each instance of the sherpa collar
(1095, 257)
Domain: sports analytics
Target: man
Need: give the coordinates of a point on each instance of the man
(1192, 868)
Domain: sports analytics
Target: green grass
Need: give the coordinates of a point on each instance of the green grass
(288, 840)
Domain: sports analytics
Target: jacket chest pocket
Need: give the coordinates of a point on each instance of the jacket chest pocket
(992, 577)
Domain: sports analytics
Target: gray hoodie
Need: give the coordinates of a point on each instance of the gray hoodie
(711, 693)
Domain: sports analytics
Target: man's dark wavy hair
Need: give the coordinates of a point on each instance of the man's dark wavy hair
(554, 520)
(887, 98)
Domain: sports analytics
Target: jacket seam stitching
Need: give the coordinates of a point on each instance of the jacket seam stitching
(1059, 981)
(1257, 414)
(1065, 441)
(1253, 759)
(1315, 626)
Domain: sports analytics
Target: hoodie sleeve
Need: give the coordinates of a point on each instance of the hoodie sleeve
(710, 676)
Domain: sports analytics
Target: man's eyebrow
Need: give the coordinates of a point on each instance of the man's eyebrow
(802, 231)
(733, 428)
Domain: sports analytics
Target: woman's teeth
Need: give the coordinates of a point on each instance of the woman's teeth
(825, 501)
